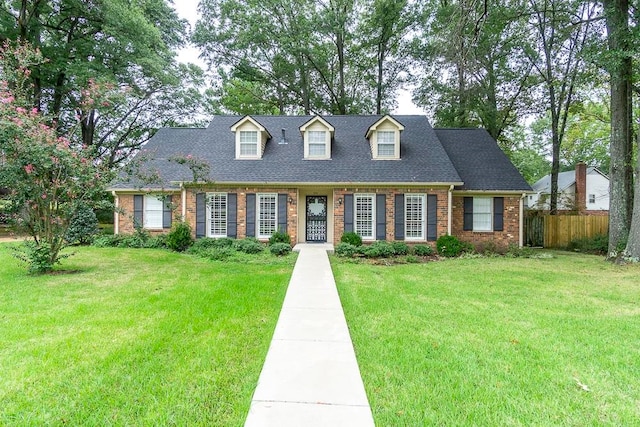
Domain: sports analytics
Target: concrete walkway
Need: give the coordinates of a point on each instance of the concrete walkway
(310, 376)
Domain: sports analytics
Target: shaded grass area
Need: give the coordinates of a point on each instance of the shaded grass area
(495, 341)
(137, 337)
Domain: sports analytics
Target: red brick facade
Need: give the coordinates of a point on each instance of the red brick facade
(510, 234)
(511, 229)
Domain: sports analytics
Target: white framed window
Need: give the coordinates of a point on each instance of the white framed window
(248, 143)
(217, 214)
(267, 215)
(364, 210)
(317, 143)
(153, 207)
(386, 143)
(414, 217)
(482, 214)
(592, 199)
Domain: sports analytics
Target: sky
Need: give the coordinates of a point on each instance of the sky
(187, 9)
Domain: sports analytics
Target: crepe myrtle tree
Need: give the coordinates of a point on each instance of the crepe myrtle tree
(47, 176)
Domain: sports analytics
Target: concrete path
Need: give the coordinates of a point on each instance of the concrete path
(310, 376)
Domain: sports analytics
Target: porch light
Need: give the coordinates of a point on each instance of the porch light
(339, 201)
(291, 201)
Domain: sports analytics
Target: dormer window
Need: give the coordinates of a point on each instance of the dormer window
(251, 138)
(317, 134)
(384, 138)
(248, 143)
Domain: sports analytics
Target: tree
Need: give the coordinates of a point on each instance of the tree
(47, 175)
(127, 45)
(560, 29)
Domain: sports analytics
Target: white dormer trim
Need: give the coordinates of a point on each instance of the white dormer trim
(382, 128)
(243, 129)
(310, 131)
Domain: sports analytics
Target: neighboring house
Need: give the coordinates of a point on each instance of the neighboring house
(386, 178)
(584, 190)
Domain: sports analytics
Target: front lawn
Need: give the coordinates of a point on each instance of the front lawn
(497, 341)
(136, 337)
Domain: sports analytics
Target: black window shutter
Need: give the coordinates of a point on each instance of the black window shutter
(282, 212)
(432, 217)
(166, 212)
(381, 217)
(201, 215)
(348, 213)
(232, 215)
(498, 213)
(251, 215)
(398, 217)
(468, 214)
(138, 209)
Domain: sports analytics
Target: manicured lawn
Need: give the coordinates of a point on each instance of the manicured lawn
(497, 341)
(137, 337)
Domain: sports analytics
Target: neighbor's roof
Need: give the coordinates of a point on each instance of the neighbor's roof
(565, 180)
(423, 158)
(481, 164)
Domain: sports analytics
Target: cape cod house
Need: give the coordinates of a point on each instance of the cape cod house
(316, 177)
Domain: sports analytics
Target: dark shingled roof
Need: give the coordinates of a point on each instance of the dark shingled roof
(427, 156)
(482, 165)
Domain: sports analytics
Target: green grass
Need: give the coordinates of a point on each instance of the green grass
(136, 337)
(496, 341)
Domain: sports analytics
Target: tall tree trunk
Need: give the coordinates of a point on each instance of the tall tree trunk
(620, 71)
(633, 243)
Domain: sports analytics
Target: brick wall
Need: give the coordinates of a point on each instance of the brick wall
(125, 213)
(390, 193)
(502, 239)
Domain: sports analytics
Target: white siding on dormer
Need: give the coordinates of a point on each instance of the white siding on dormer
(373, 141)
(317, 127)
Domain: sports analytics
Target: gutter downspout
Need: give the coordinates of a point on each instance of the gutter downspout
(116, 214)
(183, 192)
(450, 210)
(521, 237)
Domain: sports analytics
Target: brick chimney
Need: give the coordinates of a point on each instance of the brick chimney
(581, 187)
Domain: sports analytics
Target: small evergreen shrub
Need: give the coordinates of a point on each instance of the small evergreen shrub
(412, 259)
(346, 250)
(352, 238)
(597, 245)
(249, 245)
(179, 238)
(450, 246)
(379, 250)
(217, 253)
(280, 248)
(279, 237)
(107, 240)
(400, 248)
(423, 250)
(83, 227)
(38, 257)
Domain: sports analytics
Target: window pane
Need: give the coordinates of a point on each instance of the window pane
(317, 137)
(267, 215)
(482, 214)
(152, 212)
(248, 143)
(317, 149)
(386, 143)
(364, 216)
(414, 216)
(218, 215)
(386, 137)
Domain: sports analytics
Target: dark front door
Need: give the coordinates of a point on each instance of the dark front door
(316, 218)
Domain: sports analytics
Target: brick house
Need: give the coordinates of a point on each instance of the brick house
(384, 177)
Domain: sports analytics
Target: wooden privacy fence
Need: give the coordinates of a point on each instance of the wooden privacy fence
(560, 230)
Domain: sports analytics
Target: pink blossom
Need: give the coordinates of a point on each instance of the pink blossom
(44, 195)
(29, 168)
(21, 110)
(7, 100)
(34, 111)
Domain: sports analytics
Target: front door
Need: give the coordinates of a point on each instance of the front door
(316, 218)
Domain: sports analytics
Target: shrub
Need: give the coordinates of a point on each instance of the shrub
(83, 227)
(379, 250)
(598, 245)
(515, 251)
(107, 240)
(279, 237)
(352, 238)
(423, 250)
(217, 253)
(346, 250)
(280, 248)
(156, 242)
(38, 257)
(400, 248)
(412, 259)
(179, 238)
(451, 246)
(249, 245)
